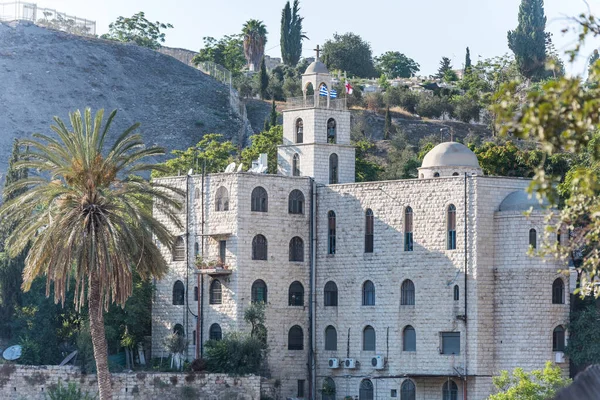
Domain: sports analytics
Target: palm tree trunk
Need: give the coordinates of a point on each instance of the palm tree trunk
(96, 312)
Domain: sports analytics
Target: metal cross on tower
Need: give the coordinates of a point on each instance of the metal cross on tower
(318, 50)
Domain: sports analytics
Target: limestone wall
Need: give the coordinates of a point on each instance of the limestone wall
(19, 382)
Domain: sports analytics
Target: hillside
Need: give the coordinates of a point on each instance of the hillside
(44, 73)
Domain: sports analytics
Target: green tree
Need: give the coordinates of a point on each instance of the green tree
(466, 108)
(396, 65)
(468, 62)
(534, 385)
(227, 51)
(593, 58)
(528, 41)
(350, 53)
(583, 347)
(291, 34)
(212, 152)
(273, 114)
(236, 354)
(254, 35)
(366, 170)
(137, 29)
(264, 142)
(445, 66)
(388, 127)
(89, 218)
(263, 80)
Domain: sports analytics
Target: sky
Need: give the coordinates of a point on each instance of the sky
(425, 30)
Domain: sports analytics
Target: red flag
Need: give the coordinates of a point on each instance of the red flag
(349, 88)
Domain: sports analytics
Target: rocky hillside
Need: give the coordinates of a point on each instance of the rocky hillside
(44, 73)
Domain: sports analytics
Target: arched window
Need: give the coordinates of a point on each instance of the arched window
(216, 292)
(260, 200)
(451, 227)
(214, 333)
(450, 391)
(299, 131)
(369, 231)
(179, 249)
(295, 338)
(259, 247)
(196, 293)
(328, 391)
(408, 390)
(330, 338)
(196, 249)
(194, 338)
(296, 249)
(296, 202)
(368, 294)
(222, 199)
(333, 169)
(409, 339)
(365, 391)
(331, 232)
(178, 294)
(455, 174)
(296, 165)
(197, 193)
(296, 294)
(533, 238)
(331, 131)
(407, 293)
(259, 291)
(558, 291)
(558, 339)
(408, 229)
(456, 293)
(331, 294)
(369, 338)
(436, 175)
(178, 330)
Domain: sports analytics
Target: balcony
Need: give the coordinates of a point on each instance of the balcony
(298, 103)
(212, 268)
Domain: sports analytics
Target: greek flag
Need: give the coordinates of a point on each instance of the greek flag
(333, 94)
(323, 91)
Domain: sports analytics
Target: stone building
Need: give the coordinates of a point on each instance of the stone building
(414, 289)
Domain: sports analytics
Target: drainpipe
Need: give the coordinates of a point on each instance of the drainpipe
(187, 255)
(313, 296)
(201, 288)
(466, 274)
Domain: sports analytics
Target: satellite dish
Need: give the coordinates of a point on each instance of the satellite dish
(239, 168)
(12, 353)
(68, 358)
(230, 168)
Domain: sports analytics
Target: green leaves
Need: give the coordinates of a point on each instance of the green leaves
(534, 385)
(137, 29)
(528, 41)
(395, 64)
(350, 53)
(291, 34)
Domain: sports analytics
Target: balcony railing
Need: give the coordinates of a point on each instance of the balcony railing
(295, 103)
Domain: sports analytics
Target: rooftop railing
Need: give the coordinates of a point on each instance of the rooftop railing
(295, 103)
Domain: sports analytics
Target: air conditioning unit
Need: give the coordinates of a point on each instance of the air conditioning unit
(378, 362)
(350, 363)
(334, 363)
(559, 357)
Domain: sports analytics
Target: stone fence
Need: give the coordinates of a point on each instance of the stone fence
(20, 382)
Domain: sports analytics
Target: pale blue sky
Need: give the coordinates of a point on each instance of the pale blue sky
(424, 30)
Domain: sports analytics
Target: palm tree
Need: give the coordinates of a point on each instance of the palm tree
(255, 38)
(88, 218)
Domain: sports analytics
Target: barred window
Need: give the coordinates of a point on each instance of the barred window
(365, 391)
(296, 249)
(296, 294)
(408, 390)
(295, 338)
(178, 293)
(558, 339)
(407, 293)
(456, 293)
(331, 131)
(451, 227)
(533, 238)
(328, 392)
(299, 131)
(409, 339)
(179, 249)
(296, 202)
(259, 247)
(330, 338)
(216, 292)
(195, 293)
(331, 232)
(558, 291)
(368, 297)
(369, 338)
(333, 169)
(369, 231)
(259, 200)
(259, 291)
(408, 229)
(331, 294)
(450, 391)
(215, 333)
(296, 165)
(222, 199)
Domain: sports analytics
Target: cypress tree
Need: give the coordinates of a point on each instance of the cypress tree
(528, 41)
(468, 62)
(387, 129)
(266, 126)
(284, 41)
(273, 115)
(445, 66)
(263, 80)
(291, 34)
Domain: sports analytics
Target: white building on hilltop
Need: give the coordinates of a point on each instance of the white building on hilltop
(365, 283)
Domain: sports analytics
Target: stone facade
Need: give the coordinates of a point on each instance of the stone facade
(19, 382)
(478, 304)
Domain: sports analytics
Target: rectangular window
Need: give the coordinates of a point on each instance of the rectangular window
(222, 250)
(450, 342)
(301, 388)
(394, 393)
(408, 241)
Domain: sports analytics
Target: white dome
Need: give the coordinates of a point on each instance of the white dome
(450, 154)
(316, 67)
(520, 201)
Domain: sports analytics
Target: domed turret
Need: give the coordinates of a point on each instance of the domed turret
(449, 159)
(316, 67)
(521, 201)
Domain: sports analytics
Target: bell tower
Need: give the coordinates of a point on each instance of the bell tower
(316, 131)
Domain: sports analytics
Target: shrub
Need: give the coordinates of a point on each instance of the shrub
(466, 108)
(431, 107)
(374, 101)
(235, 354)
(199, 364)
(69, 392)
(30, 351)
